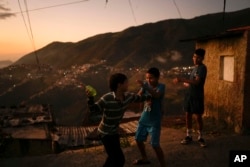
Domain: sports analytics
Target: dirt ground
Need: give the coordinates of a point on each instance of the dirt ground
(216, 154)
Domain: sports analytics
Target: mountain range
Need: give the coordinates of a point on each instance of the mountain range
(152, 44)
(5, 63)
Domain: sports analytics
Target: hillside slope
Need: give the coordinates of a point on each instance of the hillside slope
(145, 45)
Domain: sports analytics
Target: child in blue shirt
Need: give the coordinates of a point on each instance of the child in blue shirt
(150, 120)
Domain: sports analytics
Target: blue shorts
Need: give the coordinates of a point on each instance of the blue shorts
(143, 131)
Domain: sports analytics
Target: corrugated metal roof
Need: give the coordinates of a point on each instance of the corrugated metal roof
(73, 136)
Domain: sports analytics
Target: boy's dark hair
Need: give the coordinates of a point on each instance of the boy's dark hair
(154, 71)
(200, 52)
(116, 79)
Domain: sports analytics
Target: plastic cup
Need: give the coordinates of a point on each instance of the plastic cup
(91, 90)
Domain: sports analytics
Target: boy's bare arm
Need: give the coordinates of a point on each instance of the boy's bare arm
(139, 92)
(196, 81)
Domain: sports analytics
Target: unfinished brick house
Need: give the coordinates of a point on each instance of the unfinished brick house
(227, 88)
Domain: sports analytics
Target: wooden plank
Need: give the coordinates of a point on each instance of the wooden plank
(79, 140)
(124, 128)
(81, 137)
(70, 136)
(91, 129)
(76, 134)
(128, 128)
(133, 125)
(85, 132)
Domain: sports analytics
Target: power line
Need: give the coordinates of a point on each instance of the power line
(106, 3)
(24, 19)
(53, 6)
(224, 10)
(29, 30)
(31, 33)
(224, 6)
(178, 10)
(132, 10)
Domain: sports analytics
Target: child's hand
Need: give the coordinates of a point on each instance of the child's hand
(88, 93)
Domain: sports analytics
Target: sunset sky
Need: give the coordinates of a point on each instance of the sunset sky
(75, 20)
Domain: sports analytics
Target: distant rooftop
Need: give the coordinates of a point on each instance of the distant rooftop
(245, 28)
(228, 33)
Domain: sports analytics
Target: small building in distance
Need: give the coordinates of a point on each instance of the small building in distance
(227, 90)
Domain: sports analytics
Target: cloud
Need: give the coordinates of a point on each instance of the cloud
(3, 8)
(172, 55)
(175, 55)
(4, 12)
(161, 59)
(5, 15)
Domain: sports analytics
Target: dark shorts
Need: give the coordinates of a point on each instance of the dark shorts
(194, 105)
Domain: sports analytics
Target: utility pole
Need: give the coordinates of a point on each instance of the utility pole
(223, 17)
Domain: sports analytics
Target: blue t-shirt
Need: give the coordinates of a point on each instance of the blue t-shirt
(153, 117)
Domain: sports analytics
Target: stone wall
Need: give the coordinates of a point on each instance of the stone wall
(224, 99)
